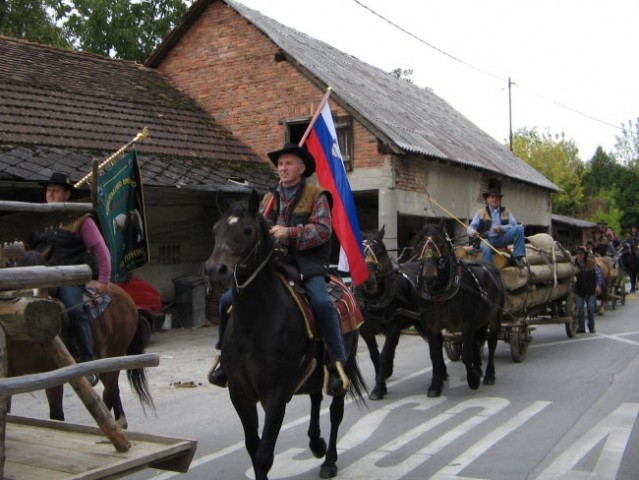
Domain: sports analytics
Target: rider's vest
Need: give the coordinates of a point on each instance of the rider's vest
(312, 261)
(586, 279)
(64, 246)
(485, 220)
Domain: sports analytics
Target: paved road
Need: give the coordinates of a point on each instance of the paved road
(568, 411)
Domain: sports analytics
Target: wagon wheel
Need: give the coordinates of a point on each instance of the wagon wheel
(452, 345)
(613, 295)
(572, 312)
(519, 340)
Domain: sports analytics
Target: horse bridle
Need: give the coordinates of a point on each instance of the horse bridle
(243, 263)
(429, 250)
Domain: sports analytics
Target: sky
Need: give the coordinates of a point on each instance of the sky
(573, 63)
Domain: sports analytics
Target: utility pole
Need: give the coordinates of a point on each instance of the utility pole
(510, 114)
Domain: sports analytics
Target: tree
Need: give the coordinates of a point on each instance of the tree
(558, 160)
(627, 145)
(31, 20)
(403, 74)
(611, 186)
(124, 29)
(120, 28)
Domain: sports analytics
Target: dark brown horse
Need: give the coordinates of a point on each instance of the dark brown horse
(266, 353)
(115, 333)
(388, 300)
(459, 296)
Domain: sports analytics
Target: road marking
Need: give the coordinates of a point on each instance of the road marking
(371, 465)
(452, 470)
(615, 429)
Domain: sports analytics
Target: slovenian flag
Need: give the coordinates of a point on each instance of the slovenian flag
(322, 143)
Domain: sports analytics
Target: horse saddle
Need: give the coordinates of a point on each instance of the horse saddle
(350, 316)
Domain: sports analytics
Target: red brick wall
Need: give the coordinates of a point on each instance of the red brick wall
(228, 66)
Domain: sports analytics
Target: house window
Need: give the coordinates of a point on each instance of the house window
(296, 128)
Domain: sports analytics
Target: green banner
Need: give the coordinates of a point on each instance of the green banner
(121, 214)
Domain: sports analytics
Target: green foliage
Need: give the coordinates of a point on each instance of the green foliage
(31, 20)
(121, 28)
(612, 190)
(558, 160)
(403, 74)
(124, 29)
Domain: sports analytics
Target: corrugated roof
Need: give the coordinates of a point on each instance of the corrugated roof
(573, 222)
(59, 109)
(414, 118)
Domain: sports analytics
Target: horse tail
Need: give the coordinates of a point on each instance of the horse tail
(358, 384)
(137, 376)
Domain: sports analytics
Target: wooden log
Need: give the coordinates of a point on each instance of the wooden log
(45, 207)
(517, 302)
(538, 257)
(30, 318)
(43, 277)
(89, 397)
(41, 381)
(515, 278)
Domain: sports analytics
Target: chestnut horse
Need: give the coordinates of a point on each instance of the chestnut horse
(116, 332)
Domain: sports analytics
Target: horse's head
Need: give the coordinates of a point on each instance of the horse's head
(435, 256)
(238, 235)
(377, 261)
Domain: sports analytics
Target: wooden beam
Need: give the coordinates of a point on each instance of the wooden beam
(43, 277)
(40, 381)
(46, 207)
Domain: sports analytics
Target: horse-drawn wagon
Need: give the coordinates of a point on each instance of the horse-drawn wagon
(538, 294)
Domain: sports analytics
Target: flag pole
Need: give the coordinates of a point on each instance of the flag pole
(268, 207)
(315, 117)
(140, 136)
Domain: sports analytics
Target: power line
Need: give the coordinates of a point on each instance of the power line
(482, 71)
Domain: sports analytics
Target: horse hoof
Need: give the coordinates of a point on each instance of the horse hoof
(434, 392)
(318, 447)
(473, 381)
(328, 471)
(489, 380)
(377, 393)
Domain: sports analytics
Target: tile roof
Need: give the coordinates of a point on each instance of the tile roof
(60, 109)
(402, 115)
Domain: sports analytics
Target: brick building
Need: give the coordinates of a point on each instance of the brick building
(402, 145)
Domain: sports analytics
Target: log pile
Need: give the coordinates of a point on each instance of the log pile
(549, 276)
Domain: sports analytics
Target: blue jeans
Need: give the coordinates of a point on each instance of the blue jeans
(223, 317)
(71, 296)
(326, 315)
(514, 236)
(589, 301)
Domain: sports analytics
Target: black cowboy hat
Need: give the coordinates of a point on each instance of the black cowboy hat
(58, 178)
(492, 192)
(301, 152)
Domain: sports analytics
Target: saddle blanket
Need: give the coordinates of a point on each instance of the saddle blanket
(95, 304)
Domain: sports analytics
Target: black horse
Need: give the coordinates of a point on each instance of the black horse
(267, 354)
(629, 263)
(460, 296)
(388, 300)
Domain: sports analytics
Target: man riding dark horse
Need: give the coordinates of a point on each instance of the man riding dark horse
(300, 215)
